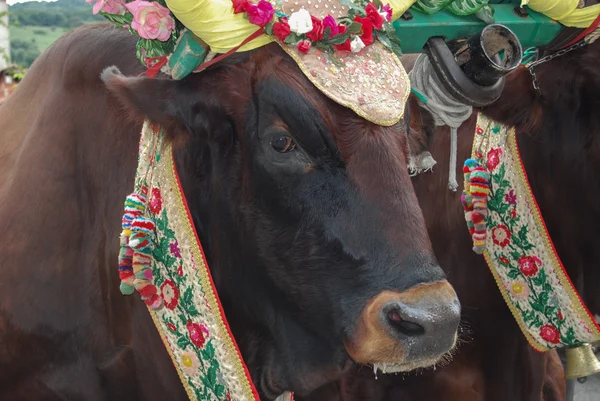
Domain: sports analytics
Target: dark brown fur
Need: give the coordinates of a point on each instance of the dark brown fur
(559, 138)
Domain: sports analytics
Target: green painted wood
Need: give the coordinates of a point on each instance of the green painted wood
(535, 30)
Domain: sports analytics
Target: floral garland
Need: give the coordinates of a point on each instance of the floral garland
(363, 24)
(159, 31)
(519, 251)
(151, 21)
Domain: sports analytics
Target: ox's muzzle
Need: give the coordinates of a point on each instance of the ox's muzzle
(402, 331)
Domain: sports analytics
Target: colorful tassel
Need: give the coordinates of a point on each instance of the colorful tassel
(474, 199)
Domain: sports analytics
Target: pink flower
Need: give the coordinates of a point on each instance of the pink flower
(174, 248)
(501, 235)
(108, 6)
(329, 22)
(510, 197)
(519, 289)
(260, 14)
(190, 363)
(493, 158)
(529, 265)
(198, 334)
(388, 12)
(151, 20)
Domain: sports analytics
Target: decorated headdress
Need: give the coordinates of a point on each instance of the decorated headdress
(347, 48)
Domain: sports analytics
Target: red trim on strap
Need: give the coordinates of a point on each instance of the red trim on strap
(230, 52)
(154, 65)
(585, 33)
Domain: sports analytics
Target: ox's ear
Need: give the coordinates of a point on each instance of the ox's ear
(165, 101)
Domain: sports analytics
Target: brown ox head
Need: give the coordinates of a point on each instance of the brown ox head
(309, 220)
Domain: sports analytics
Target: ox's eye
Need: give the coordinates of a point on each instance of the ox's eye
(283, 143)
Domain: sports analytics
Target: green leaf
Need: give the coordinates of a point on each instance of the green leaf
(211, 376)
(514, 274)
(537, 307)
(515, 255)
(540, 279)
(430, 6)
(292, 38)
(117, 19)
(183, 342)
(353, 7)
(547, 287)
(338, 39)
(355, 27)
(543, 299)
(208, 352)
(219, 390)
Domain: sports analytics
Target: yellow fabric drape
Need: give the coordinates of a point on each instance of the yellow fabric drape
(565, 11)
(399, 7)
(214, 22)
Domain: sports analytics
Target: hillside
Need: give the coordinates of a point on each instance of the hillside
(36, 25)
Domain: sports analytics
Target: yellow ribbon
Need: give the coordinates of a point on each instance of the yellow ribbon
(214, 22)
(565, 11)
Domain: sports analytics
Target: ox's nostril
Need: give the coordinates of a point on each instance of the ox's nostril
(404, 326)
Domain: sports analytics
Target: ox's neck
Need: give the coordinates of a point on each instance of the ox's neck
(559, 138)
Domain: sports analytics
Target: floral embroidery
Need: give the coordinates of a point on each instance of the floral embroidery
(519, 289)
(190, 363)
(197, 332)
(528, 273)
(529, 265)
(501, 235)
(196, 338)
(511, 198)
(170, 294)
(493, 158)
(156, 202)
(550, 333)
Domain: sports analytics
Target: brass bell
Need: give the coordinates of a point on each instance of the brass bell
(581, 362)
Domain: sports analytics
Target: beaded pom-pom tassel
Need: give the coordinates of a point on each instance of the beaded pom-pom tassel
(135, 205)
(474, 198)
(135, 255)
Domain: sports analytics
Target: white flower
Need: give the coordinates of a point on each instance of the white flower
(356, 45)
(300, 22)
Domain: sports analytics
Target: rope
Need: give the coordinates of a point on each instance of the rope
(444, 107)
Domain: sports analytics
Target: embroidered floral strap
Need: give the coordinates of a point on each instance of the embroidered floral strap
(520, 253)
(188, 314)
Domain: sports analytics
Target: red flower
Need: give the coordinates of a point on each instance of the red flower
(529, 265)
(366, 30)
(550, 334)
(170, 294)
(196, 332)
(493, 158)
(172, 327)
(281, 30)
(513, 214)
(180, 271)
(317, 32)
(504, 261)
(156, 201)
(501, 235)
(240, 6)
(479, 130)
(304, 46)
(372, 14)
(560, 315)
(346, 45)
